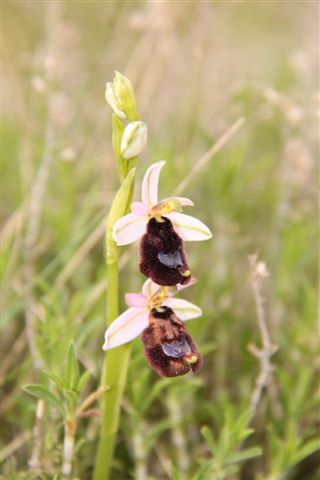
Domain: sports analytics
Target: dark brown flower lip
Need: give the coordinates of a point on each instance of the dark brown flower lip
(168, 347)
(164, 312)
(162, 256)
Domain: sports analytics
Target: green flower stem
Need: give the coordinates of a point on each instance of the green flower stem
(116, 361)
(114, 375)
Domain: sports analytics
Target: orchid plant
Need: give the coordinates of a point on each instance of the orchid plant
(153, 313)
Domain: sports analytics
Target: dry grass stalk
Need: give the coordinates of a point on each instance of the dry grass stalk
(216, 147)
(177, 433)
(68, 446)
(32, 232)
(13, 446)
(35, 460)
(259, 273)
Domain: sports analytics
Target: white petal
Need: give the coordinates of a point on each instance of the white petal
(179, 287)
(189, 228)
(128, 326)
(184, 202)
(186, 285)
(136, 300)
(129, 228)
(149, 288)
(150, 181)
(139, 208)
(183, 309)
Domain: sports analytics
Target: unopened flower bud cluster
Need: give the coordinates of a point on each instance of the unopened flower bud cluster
(121, 98)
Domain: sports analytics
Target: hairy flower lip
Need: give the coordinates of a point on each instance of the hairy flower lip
(168, 347)
(162, 254)
(132, 226)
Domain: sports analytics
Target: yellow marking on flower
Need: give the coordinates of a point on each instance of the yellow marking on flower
(158, 298)
(191, 358)
(169, 207)
(187, 273)
(163, 208)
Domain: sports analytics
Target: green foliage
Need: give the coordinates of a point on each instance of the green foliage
(43, 393)
(71, 373)
(69, 386)
(224, 449)
(117, 210)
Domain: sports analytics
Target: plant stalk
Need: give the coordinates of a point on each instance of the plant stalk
(68, 447)
(114, 376)
(116, 361)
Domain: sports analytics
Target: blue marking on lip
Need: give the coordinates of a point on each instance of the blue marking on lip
(176, 349)
(171, 260)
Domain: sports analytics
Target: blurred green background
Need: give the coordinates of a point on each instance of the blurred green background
(196, 67)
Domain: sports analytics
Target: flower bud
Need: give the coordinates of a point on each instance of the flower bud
(120, 96)
(113, 101)
(134, 139)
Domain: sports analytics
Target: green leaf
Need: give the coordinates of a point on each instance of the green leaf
(245, 455)
(245, 433)
(152, 435)
(118, 209)
(175, 475)
(203, 472)
(308, 449)
(72, 373)
(117, 132)
(241, 423)
(71, 399)
(83, 380)
(209, 439)
(43, 393)
(55, 378)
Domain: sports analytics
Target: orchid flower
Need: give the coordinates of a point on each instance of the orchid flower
(131, 227)
(135, 319)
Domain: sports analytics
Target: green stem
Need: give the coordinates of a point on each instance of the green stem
(114, 375)
(116, 361)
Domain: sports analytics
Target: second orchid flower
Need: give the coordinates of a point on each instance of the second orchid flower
(159, 319)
